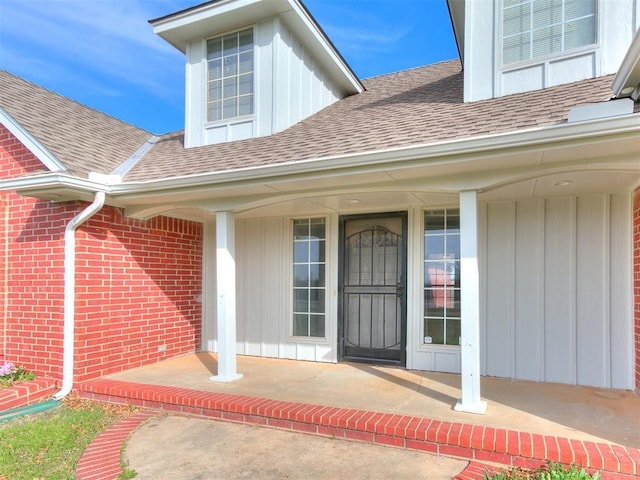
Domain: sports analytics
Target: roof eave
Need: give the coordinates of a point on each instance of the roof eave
(394, 157)
(626, 83)
(63, 187)
(457, 16)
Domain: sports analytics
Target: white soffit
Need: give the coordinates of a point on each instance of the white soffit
(191, 24)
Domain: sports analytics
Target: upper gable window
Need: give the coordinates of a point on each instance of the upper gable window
(537, 28)
(230, 75)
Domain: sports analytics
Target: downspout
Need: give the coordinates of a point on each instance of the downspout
(70, 292)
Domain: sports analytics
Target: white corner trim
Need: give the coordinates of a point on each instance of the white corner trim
(33, 145)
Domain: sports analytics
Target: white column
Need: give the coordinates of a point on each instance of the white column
(226, 295)
(470, 306)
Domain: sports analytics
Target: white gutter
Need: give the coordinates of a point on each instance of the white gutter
(413, 155)
(70, 291)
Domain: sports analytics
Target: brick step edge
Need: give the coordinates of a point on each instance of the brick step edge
(473, 442)
(101, 459)
(26, 393)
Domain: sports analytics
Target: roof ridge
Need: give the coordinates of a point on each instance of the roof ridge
(404, 70)
(64, 97)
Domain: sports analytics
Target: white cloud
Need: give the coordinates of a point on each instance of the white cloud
(109, 38)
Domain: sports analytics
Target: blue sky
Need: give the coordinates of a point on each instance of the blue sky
(103, 53)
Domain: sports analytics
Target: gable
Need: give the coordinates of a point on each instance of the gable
(289, 71)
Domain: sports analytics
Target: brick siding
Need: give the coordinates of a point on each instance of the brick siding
(636, 281)
(137, 282)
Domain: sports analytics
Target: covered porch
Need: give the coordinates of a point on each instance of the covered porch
(526, 423)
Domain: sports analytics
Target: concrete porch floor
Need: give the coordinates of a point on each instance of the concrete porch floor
(581, 413)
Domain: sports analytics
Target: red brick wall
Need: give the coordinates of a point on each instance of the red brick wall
(137, 282)
(138, 288)
(636, 281)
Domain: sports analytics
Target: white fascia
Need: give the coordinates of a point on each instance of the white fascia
(53, 180)
(466, 149)
(29, 141)
(627, 80)
(330, 50)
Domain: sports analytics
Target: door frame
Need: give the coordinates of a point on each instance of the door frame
(404, 216)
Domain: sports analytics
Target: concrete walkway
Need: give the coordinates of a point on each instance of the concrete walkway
(527, 423)
(212, 450)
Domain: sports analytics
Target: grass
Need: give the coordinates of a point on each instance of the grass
(48, 445)
(552, 471)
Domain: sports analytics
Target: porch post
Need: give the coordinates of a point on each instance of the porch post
(470, 306)
(226, 295)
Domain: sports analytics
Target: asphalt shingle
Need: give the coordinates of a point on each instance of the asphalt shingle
(417, 106)
(411, 107)
(83, 139)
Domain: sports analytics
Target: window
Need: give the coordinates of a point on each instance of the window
(309, 242)
(536, 28)
(230, 75)
(442, 277)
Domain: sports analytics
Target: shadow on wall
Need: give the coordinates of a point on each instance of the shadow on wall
(137, 284)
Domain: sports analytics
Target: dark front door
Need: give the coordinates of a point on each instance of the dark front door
(372, 279)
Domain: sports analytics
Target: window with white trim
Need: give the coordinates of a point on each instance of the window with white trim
(309, 285)
(230, 75)
(538, 28)
(442, 277)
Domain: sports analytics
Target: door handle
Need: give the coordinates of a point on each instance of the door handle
(399, 290)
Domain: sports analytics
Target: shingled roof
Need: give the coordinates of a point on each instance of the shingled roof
(82, 138)
(411, 107)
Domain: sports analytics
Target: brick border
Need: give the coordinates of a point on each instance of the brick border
(26, 393)
(473, 442)
(101, 459)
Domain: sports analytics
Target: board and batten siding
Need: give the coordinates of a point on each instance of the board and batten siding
(264, 271)
(289, 86)
(556, 301)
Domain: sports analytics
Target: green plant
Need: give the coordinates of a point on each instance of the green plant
(10, 374)
(551, 471)
(49, 444)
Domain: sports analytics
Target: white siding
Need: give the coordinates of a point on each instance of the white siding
(485, 77)
(289, 86)
(264, 294)
(557, 304)
(302, 87)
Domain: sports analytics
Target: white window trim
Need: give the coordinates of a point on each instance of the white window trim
(205, 82)
(422, 346)
(544, 59)
(329, 261)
